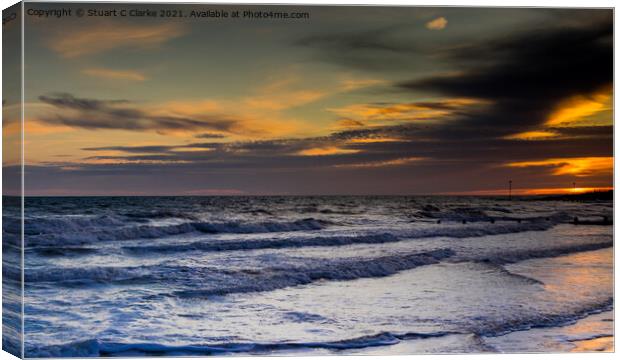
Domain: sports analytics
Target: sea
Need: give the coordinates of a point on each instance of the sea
(307, 275)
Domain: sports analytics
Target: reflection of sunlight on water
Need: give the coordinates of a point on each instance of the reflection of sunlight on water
(605, 343)
(593, 333)
(569, 282)
(587, 275)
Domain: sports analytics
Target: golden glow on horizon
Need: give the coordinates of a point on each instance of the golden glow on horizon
(584, 166)
(552, 191)
(540, 191)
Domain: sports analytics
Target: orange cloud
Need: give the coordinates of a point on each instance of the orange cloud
(283, 94)
(34, 127)
(585, 166)
(192, 149)
(325, 151)
(284, 100)
(437, 24)
(404, 111)
(250, 121)
(349, 123)
(11, 124)
(261, 114)
(372, 140)
(579, 107)
(95, 39)
(115, 74)
(532, 135)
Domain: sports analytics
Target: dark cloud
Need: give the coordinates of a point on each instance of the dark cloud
(524, 77)
(405, 141)
(96, 114)
(605, 132)
(210, 136)
(522, 72)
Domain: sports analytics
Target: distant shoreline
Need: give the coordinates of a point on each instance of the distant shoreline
(589, 196)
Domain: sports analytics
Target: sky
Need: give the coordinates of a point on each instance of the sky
(353, 100)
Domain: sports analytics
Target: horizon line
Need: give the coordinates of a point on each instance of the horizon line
(316, 195)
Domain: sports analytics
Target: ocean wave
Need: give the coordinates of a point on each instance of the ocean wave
(96, 348)
(474, 230)
(199, 282)
(502, 258)
(313, 269)
(159, 214)
(43, 225)
(252, 244)
(53, 251)
(543, 320)
(11, 225)
(90, 274)
(302, 317)
(74, 237)
(485, 214)
(278, 277)
(453, 231)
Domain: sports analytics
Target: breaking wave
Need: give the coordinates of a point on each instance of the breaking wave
(49, 233)
(231, 245)
(544, 320)
(47, 247)
(516, 256)
(95, 348)
(208, 281)
(98, 348)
